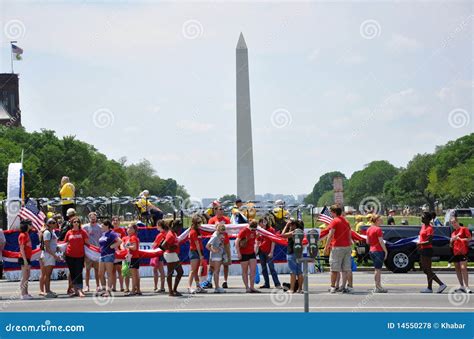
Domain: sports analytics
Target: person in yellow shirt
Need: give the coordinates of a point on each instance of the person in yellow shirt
(359, 222)
(280, 214)
(67, 193)
(147, 209)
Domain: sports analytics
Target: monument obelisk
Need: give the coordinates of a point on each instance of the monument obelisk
(245, 180)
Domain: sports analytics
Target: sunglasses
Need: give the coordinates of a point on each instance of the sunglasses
(76, 222)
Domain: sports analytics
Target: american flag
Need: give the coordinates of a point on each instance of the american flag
(31, 211)
(17, 51)
(325, 215)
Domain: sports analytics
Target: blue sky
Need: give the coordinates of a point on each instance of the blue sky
(334, 85)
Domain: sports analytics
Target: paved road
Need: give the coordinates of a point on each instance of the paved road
(403, 296)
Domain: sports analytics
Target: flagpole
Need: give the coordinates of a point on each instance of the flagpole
(11, 53)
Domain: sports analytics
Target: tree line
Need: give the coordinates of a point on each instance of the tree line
(47, 158)
(445, 176)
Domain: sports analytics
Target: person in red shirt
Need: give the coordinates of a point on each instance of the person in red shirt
(157, 263)
(426, 252)
(25, 261)
(245, 247)
(133, 246)
(122, 232)
(265, 254)
(195, 255)
(171, 246)
(460, 246)
(218, 218)
(340, 257)
(378, 250)
(76, 238)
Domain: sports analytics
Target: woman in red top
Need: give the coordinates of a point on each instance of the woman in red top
(133, 246)
(157, 263)
(195, 254)
(460, 246)
(265, 253)
(76, 238)
(245, 247)
(426, 252)
(171, 246)
(25, 261)
(118, 264)
(378, 251)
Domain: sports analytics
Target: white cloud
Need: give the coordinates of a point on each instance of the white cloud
(353, 58)
(401, 44)
(194, 126)
(457, 93)
(402, 104)
(314, 55)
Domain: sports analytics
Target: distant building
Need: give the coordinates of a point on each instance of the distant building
(300, 197)
(207, 201)
(10, 114)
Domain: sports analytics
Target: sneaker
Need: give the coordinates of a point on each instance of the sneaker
(441, 288)
(192, 290)
(50, 295)
(460, 290)
(200, 290)
(219, 290)
(206, 284)
(347, 290)
(224, 285)
(426, 290)
(380, 290)
(26, 297)
(278, 287)
(253, 290)
(468, 291)
(333, 290)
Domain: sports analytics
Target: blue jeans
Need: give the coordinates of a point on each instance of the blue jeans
(295, 267)
(264, 261)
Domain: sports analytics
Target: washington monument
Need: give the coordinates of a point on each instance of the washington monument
(245, 181)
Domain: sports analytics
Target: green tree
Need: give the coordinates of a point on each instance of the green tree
(369, 182)
(326, 199)
(229, 197)
(47, 158)
(410, 185)
(324, 184)
(451, 176)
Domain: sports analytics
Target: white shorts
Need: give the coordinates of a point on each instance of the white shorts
(171, 257)
(48, 259)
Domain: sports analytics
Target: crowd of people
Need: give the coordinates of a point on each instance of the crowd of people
(205, 270)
